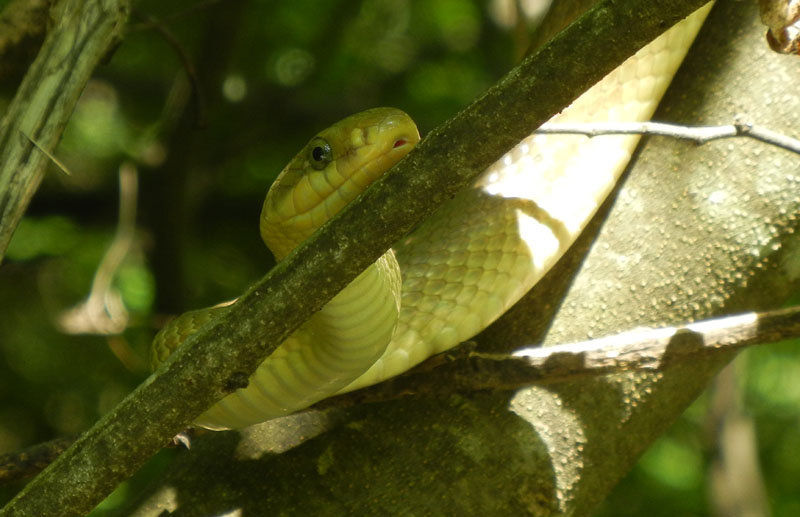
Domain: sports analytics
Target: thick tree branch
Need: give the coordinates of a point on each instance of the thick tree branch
(200, 372)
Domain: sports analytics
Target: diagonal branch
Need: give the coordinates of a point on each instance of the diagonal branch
(200, 372)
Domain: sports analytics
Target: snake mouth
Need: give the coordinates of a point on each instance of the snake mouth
(376, 148)
(371, 163)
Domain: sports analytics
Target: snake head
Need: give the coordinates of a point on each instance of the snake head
(330, 171)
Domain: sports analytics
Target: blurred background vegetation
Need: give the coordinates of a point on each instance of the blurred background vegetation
(170, 152)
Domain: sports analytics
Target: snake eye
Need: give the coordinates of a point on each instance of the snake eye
(320, 154)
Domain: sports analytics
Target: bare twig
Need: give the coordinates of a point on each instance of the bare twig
(698, 134)
(655, 349)
(58, 163)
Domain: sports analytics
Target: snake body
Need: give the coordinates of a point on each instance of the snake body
(459, 270)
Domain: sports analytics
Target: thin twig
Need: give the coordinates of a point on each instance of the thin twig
(698, 134)
(58, 163)
(655, 349)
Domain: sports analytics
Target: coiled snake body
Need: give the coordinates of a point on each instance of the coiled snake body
(457, 272)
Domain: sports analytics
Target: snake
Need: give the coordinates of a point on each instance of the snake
(461, 268)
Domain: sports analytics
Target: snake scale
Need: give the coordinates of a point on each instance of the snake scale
(460, 269)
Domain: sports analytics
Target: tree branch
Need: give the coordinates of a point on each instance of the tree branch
(198, 374)
(651, 349)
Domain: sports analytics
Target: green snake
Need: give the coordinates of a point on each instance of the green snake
(459, 270)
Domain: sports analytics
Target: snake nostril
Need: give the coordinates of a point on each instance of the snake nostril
(399, 143)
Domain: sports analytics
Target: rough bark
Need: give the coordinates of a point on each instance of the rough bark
(695, 232)
(215, 360)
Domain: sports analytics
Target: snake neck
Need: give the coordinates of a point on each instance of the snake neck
(328, 352)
